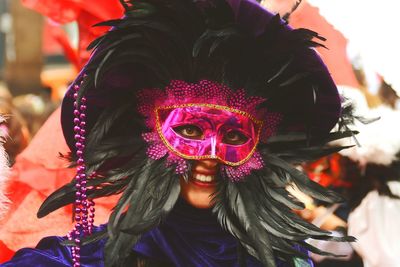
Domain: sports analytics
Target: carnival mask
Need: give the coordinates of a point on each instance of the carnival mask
(204, 131)
(205, 121)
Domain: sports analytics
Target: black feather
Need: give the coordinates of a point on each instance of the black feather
(158, 41)
(295, 6)
(149, 198)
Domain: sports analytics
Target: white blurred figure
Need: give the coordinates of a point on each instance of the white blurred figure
(375, 225)
(370, 27)
(374, 222)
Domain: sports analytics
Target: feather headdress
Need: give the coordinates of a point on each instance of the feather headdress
(236, 43)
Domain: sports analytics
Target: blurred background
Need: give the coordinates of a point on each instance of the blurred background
(42, 48)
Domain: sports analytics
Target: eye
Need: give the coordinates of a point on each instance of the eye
(189, 131)
(235, 138)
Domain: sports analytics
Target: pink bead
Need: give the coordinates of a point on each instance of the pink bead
(81, 168)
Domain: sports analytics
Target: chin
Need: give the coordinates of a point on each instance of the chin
(200, 203)
(197, 196)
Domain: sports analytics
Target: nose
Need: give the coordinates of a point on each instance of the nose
(209, 163)
(207, 166)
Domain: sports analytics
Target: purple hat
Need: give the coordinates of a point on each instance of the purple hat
(236, 43)
(298, 84)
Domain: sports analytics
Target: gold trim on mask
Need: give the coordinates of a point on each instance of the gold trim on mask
(220, 107)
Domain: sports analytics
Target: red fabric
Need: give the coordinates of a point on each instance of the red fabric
(85, 13)
(327, 172)
(20, 227)
(6, 253)
(65, 11)
(59, 37)
(39, 171)
(336, 57)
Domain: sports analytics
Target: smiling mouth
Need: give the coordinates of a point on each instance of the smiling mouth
(204, 180)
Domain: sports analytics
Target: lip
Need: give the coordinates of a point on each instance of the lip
(201, 183)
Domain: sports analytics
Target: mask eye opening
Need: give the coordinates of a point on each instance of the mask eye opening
(235, 137)
(189, 131)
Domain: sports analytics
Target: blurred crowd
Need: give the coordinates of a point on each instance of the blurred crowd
(367, 175)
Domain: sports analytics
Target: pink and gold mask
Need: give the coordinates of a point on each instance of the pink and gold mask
(204, 131)
(205, 121)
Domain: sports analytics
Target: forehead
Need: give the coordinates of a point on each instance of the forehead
(203, 112)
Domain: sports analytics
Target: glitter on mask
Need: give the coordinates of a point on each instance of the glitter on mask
(237, 173)
(204, 92)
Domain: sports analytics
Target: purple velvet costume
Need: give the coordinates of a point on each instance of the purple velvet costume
(188, 237)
